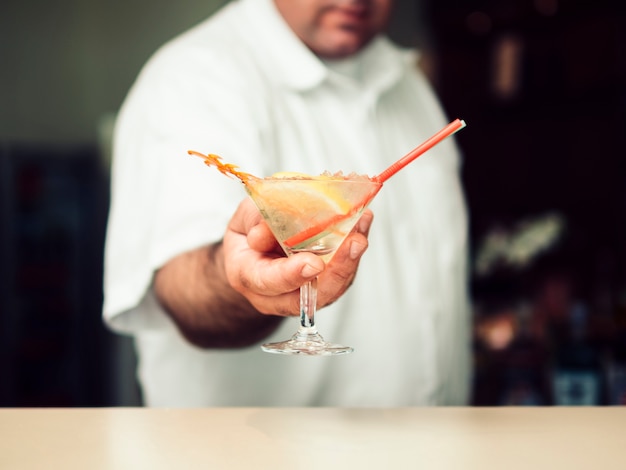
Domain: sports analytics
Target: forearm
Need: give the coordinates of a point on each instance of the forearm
(194, 291)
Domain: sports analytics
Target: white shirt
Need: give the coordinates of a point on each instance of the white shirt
(241, 85)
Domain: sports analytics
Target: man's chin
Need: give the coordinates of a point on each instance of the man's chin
(345, 46)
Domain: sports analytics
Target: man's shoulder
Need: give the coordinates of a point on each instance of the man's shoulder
(217, 42)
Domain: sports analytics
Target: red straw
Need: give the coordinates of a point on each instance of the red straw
(447, 131)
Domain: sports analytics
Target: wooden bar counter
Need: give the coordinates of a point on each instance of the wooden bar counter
(313, 438)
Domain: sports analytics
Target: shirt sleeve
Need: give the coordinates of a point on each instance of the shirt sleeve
(164, 201)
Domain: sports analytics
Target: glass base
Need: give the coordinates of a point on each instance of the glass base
(306, 342)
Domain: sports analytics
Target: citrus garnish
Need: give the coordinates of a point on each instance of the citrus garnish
(304, 196)
(315, 193)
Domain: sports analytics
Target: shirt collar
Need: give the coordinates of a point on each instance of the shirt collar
(297, 67)
(287, 57)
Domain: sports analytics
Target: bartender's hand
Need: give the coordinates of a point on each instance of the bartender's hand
(235, 292)
(257, 268)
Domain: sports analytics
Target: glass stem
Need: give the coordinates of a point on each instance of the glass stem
(308, 304)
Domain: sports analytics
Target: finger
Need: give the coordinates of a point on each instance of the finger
(272, 287)
(261, 238)
(342, 268)
(365, 222)
(282, 275)
(248, 221)
(347, 258)
(349, 253)
(284, 305)
(245, 218)
(253, 272)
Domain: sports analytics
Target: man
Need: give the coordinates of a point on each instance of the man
(276, 85)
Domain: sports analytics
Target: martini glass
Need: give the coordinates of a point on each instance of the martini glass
(315, 214)
(311, 214)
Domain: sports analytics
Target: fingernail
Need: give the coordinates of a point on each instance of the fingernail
(309, 271)
(356, 250)
(364, 224)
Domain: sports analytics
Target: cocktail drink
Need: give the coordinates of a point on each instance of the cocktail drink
(315, 214)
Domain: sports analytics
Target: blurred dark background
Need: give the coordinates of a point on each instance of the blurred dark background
(542, 85)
